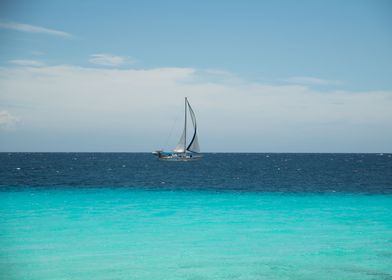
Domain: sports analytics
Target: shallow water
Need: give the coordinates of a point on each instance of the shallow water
(184, 231)
(129, 234)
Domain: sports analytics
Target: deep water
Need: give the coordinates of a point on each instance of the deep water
(353, 173)
(228, 216)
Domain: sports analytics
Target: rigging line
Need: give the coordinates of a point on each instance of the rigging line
(171, 131)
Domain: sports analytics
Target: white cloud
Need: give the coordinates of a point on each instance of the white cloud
(107, 59)
(302, 80)
(33, 29)
(7, 120)
(27, 62)
(134, 110)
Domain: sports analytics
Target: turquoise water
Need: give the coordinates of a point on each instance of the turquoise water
(123, 233)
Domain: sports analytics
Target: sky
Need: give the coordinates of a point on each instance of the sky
(261, 76)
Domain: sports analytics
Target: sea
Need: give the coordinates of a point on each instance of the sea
(228, 216)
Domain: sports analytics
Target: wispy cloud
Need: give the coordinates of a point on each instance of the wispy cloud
(33, 29)
(107, 59)
(304, 80)
(37, 53)
(7, 120)
(27, 62)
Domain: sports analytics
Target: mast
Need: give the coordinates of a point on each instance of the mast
(185, 127)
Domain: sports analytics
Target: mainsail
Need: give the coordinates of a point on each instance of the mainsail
(193, 145)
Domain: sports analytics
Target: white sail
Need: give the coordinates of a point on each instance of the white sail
(194, 147)
(180, 148)
(194, 144)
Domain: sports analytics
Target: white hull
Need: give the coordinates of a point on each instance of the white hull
(177, 156)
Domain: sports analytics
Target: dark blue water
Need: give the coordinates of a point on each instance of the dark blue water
(353, 173)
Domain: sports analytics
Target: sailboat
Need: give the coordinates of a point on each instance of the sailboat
(184, 151)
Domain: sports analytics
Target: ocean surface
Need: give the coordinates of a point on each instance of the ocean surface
(228, 216)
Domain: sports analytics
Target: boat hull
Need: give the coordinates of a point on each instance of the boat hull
(177, 156)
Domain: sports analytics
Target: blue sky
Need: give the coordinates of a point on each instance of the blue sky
(320, 72)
